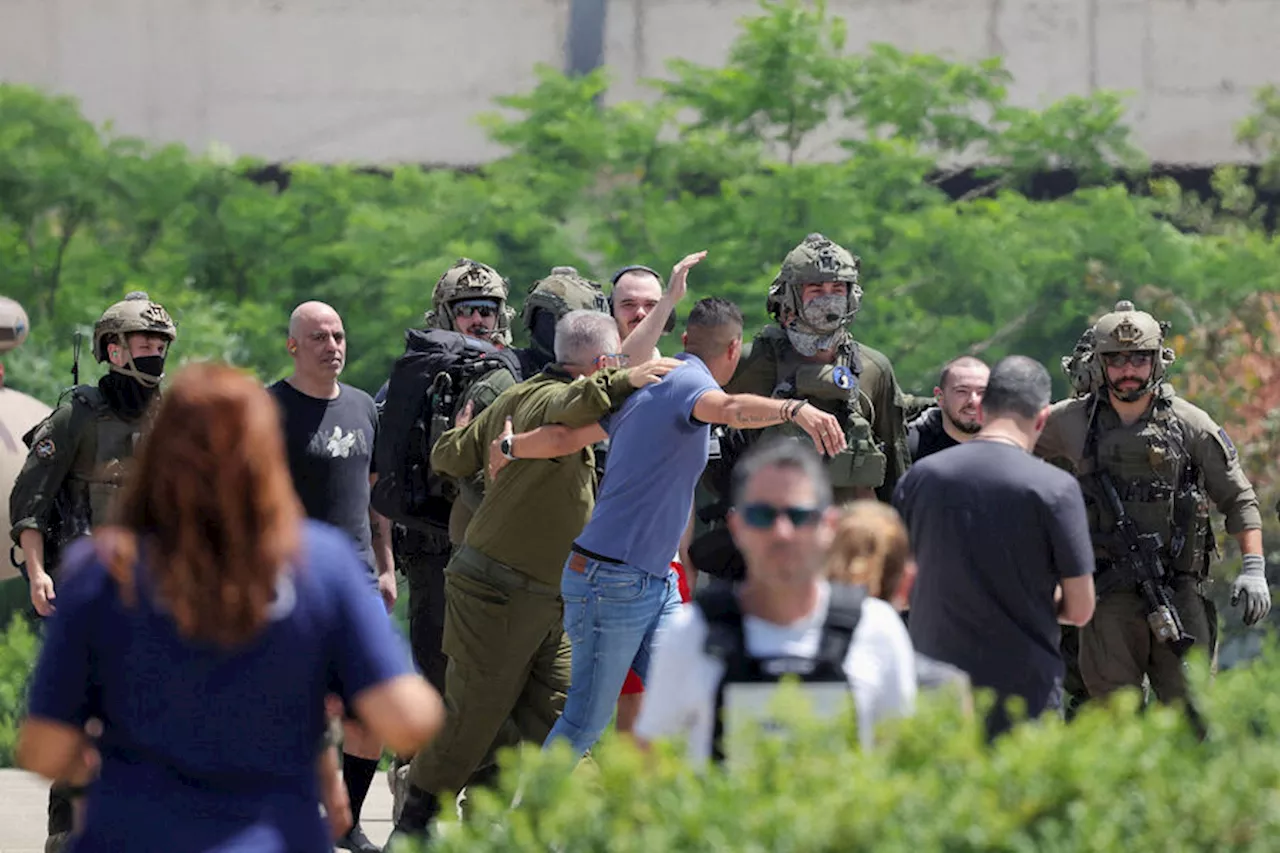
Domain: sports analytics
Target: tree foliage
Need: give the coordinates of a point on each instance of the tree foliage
(792, 134)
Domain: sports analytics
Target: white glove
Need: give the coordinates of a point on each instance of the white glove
(1251, 585)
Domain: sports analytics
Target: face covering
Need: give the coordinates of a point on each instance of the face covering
(824, 314)
(127, 395)
(152, 365)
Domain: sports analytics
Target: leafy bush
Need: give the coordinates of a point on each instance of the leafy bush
(18, 650)
(1115, 779)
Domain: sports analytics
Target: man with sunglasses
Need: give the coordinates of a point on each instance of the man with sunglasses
(1167, 460)
(723, 656)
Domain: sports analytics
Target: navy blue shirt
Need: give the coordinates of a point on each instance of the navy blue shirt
(657, 451)
(205, 748)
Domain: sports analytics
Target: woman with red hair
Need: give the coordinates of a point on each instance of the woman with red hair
(202, 633)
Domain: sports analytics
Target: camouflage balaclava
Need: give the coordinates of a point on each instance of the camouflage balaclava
(821, 323)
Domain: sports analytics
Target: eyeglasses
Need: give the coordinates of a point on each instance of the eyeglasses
(1119, 359)
(763, 516)
(466, 309)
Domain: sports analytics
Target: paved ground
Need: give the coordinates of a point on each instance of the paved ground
(23, 798)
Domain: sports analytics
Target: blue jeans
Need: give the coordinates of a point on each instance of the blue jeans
(614, 616)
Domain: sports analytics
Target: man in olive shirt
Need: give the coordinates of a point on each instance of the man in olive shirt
(503, 634)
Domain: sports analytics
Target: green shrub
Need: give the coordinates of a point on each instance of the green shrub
(1115, 779)
(18, 650)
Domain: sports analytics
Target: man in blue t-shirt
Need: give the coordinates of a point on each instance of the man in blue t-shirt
(618, 585)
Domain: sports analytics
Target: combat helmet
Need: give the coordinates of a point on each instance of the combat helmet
(814, 261)
(562, 291)
(468, 279)
(13, 324)
(135, 313)
(1126, 329)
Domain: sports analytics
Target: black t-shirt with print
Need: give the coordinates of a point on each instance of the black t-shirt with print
(330, 448)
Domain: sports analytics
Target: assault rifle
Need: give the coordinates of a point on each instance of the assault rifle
(1142, 561)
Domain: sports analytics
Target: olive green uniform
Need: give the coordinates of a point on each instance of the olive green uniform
(869, 406)
(504, 635)
(1167, 467)
(76, 465)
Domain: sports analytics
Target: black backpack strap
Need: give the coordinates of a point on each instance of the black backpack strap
(726, 643)
(844, 611)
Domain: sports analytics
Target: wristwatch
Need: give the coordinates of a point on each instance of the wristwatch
(505, 447)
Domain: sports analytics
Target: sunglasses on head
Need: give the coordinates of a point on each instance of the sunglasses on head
(763, 516)
(1119, 359)
(466, 309)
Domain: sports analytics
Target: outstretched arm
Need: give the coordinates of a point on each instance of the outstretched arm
(749, 411)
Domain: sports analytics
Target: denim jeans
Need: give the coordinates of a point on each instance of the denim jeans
(614, 616)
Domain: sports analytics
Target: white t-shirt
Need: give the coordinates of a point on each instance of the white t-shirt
(680, 692)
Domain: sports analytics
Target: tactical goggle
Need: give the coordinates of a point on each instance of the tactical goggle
(483, 307)
(1141, 358)
(764, 516)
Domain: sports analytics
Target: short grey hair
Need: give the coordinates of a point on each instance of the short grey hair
(584, 334)
(796, 454)
(1018, 386)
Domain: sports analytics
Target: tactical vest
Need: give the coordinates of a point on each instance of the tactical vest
(1157, 480)
(836, 389)
(105, 445)
(726, 642)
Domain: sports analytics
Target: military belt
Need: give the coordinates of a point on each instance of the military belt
(475, 565)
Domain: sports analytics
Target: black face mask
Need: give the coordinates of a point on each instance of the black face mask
(127, 395)
(152, 365)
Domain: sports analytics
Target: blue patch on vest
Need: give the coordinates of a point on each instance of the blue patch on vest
(842, 377)
(1226, 442)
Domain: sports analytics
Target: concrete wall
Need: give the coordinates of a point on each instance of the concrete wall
(402, 80)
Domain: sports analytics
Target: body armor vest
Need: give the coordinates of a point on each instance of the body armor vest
(106, 445)
(1157, 480)
(834, 388)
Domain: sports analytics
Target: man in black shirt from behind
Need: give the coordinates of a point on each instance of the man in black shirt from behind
(957, 417)
(1002, 548)
(329, 431)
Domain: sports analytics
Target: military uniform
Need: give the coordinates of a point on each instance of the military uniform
(509, 658)
(79, 456)
(858, 386)
(1167, 467)
(549, 299)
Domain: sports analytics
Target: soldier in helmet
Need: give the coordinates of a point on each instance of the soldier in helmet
(471, 298)
(809, 354)
(78, 456)
(1167, 460)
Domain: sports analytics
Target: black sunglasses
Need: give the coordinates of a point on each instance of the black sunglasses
(763, 516)
(467, 309)
(1119, 359)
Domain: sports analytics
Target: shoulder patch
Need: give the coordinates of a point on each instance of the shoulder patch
(44, 448)
(1227, 445)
